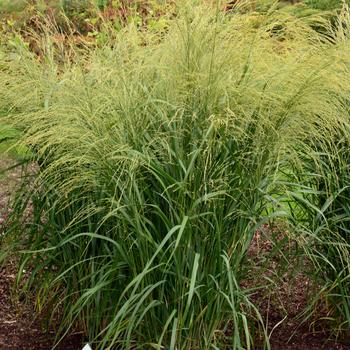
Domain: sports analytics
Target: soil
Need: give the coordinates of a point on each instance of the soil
(279, 304)
(19, 329)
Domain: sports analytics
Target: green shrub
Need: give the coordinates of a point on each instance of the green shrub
(8, 6)
(326, 5)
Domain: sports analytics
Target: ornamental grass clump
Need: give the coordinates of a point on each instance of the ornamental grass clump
(159, 156)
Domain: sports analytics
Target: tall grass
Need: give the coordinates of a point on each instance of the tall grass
(159, 157)
(322, 211)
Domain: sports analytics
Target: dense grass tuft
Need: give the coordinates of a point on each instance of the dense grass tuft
(161, 154)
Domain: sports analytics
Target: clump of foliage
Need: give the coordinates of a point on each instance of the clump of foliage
(86, 17)
(326, 5)
(161, 153)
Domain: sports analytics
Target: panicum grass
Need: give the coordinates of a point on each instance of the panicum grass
(160, 155)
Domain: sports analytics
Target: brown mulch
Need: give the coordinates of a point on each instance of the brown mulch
(19, 329)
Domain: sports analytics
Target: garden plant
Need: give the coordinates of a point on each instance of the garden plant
(160, 151)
